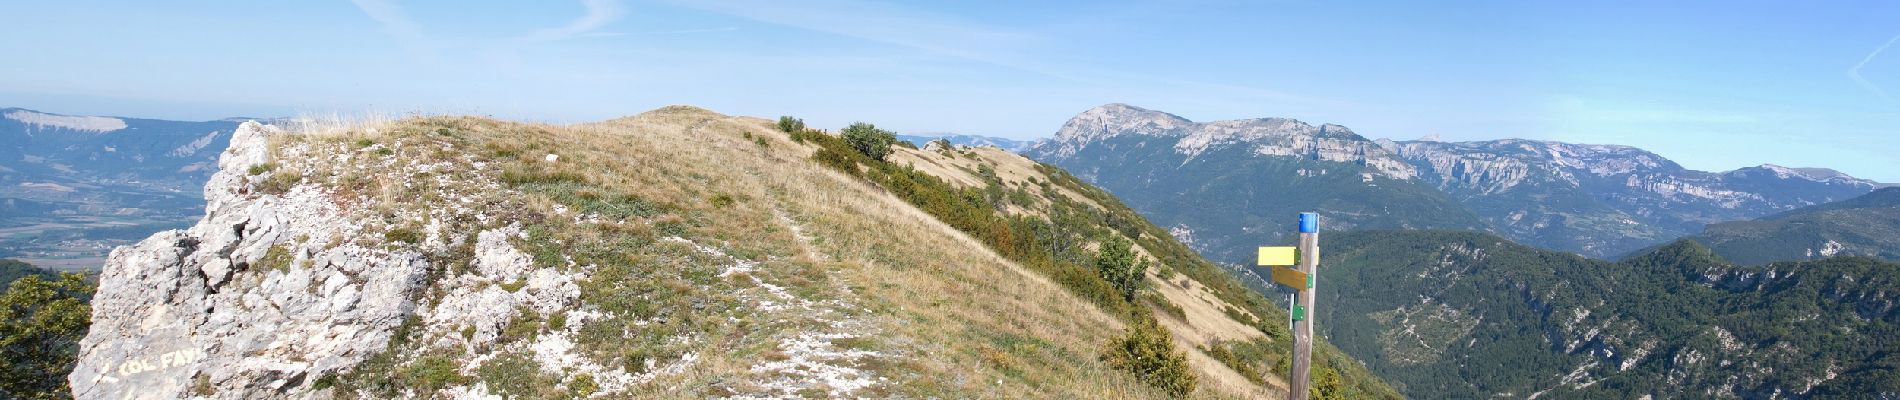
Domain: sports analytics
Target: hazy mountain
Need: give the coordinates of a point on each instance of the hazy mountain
(1469, 315)
(72, 187)
(1600, 200)
(1868, 225)
(676, 253)
(1228, 186)
(1011, 145)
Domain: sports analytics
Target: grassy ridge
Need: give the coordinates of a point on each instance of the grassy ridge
(1045, 239)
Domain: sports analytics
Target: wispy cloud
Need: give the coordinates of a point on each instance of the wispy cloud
(690, 31)
(397, 24)
(598, 13)
(1854, 72)
(948, 36)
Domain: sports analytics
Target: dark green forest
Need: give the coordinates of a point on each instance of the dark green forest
(1466, 315)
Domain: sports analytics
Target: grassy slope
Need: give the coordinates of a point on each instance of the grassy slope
(715, 245)
(1229, 329)
(658, 210)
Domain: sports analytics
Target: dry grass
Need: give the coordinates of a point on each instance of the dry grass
(958, 168)
(946, 316)
(1204, 321)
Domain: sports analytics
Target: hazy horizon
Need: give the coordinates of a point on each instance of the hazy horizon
(1713, 86)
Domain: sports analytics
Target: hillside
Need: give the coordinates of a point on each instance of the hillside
(1468, 315)
(1007, 144)
(1219, 186)
(1867, 226)
(1601, 200)
(74, 187)
(14, 269)
(677, 253)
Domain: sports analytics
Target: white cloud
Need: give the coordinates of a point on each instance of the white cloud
(1854, 72)
(397, 24)
(599, 13)
(948, 36)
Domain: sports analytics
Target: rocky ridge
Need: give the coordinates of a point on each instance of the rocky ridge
(678, 252)
(1602, 200)
(1264, 136)
(179, 311)
(1596, 200)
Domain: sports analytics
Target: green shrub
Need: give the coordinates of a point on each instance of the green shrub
(1148, 353)
(277, 258)
(405, 235)
(867, 139)
(721, 201)
(431, 373)
(1119, 265)
(790, 125)
(836, 160)
(280, 182)
(1251, 358)
(259, 169)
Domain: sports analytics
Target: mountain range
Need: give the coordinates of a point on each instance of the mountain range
(1867, 226)
(1011, 145)
(1206, 179)
(74, 187)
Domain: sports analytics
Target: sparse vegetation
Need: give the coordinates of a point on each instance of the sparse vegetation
(279, 183)
(403, 235)
(277, 258)
(432, 372)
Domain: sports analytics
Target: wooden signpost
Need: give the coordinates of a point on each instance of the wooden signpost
(1298, 268)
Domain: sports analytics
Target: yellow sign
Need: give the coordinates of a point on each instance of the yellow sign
(1291, 278)
(1277, 255)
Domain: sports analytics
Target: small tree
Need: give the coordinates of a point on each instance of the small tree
(868, 139)
(1120, 267)
(791, 125)
(41, 322)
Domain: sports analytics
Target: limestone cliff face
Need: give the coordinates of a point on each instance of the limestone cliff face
(183, 309)
(1603, 200)
(270, 291)
(1263, 136)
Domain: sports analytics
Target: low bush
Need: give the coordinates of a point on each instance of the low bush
(1148, 353)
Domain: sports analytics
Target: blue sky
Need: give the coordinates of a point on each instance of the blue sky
(1715, 85)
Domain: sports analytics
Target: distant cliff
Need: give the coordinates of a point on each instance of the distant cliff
(1212, 180)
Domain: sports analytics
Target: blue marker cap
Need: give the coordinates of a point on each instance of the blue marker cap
(1309, 222)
